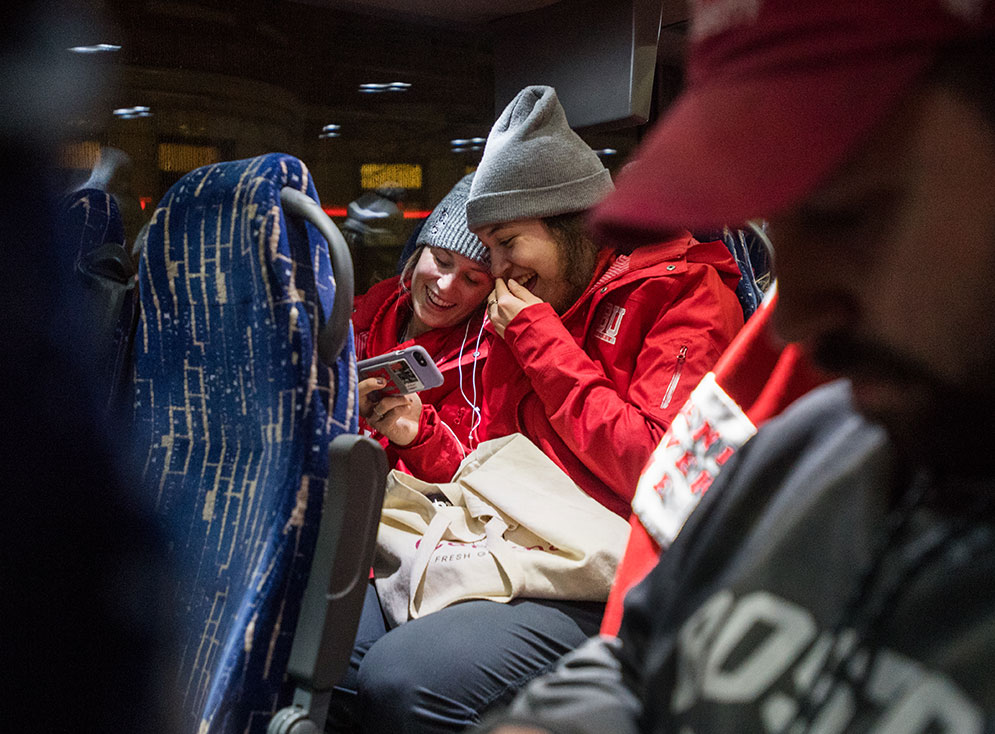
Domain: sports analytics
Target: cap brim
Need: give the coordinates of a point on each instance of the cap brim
(728, 152)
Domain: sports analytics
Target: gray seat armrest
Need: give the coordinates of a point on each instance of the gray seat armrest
(337, 583)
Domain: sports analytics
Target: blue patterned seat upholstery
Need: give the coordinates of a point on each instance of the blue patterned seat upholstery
(89, 218)
(90, 243)
(752, 251)
(237, 412)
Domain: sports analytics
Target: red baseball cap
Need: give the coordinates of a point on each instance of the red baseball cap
(778, 93)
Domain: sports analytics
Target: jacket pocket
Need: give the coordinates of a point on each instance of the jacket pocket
(669, 395)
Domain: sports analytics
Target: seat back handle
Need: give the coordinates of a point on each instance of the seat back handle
(333, 334)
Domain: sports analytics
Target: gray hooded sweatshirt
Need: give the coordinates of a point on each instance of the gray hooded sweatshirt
(817, 588)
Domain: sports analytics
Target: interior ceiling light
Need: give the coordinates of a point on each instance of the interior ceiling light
(606, 151)
(331, 128)
(130, 113)
(98, 48)
(330, 134)
(380, 88)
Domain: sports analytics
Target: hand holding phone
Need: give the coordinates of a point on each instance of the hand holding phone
(404, 371)
(394, 408)
(395, 416)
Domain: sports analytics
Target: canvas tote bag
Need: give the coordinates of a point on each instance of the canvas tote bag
(510, 524)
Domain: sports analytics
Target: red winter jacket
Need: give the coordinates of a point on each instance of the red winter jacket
(380, 317)
(596, 389)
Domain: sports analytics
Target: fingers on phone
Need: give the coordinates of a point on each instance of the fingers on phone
(370, 384)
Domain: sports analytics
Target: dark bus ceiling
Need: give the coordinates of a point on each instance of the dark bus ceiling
(256, 76)
(465, 12)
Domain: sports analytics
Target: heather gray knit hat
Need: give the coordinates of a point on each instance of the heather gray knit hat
(534, 165)
(446, 226)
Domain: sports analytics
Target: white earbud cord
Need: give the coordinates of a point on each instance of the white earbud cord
(477, 417)
(473, 380)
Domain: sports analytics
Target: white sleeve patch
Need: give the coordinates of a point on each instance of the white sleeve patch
(704, 435)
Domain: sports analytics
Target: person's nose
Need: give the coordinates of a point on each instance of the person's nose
(499, 263)
(445, 282)
(814, 299)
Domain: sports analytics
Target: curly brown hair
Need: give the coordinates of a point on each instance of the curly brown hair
(578, 251)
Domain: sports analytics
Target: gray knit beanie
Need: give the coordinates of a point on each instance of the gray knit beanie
(446, 226)
(534, 165)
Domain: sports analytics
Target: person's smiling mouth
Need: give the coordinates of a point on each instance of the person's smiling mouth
(527, 283)
(436, 301)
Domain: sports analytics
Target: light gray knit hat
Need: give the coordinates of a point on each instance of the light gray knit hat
(446, 226)
(534, 165)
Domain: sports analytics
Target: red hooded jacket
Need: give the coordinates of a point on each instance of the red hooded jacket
(379, 319)
(596, 389)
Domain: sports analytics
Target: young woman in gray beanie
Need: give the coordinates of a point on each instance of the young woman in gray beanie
(595, 349)
(436, 302)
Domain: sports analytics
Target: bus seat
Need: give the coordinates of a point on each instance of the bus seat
(245, 407)
(751, 249)
(91, 244)
(88, 218)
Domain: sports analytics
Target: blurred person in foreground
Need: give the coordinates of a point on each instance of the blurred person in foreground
(837, 576)
(86, 643)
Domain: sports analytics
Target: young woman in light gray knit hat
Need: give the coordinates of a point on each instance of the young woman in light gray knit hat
(536, 180)
(595, 350)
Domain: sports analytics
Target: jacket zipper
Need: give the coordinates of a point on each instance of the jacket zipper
(669, 395)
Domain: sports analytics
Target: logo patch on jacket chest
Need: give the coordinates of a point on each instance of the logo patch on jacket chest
(609, 322)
